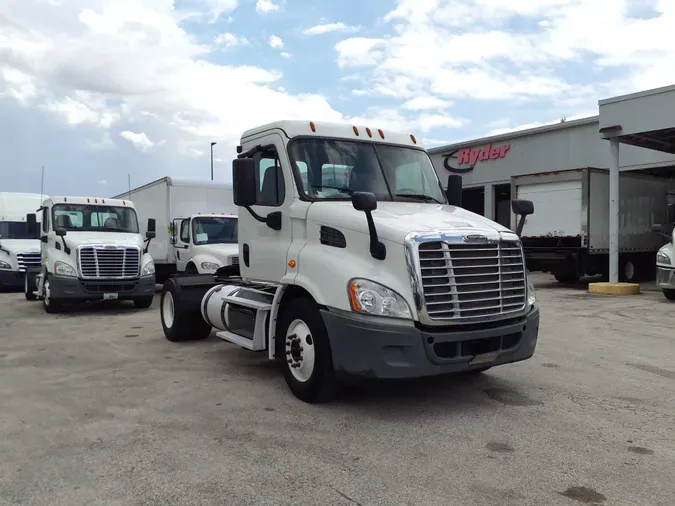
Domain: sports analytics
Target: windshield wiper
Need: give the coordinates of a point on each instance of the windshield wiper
(345, 190)
(419, 196)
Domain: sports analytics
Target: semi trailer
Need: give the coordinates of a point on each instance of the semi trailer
(19, 246)
(377, 274)
(92, 249)
(569, 234)
(196, 225)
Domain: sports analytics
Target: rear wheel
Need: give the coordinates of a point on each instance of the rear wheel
(566, 277)
(180, 325)
(308, 361)
(669, 294)
(629, 271)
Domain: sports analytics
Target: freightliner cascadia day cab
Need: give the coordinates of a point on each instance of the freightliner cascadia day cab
(353, 264)
(196, 225)
(569, 234)
(665, 257)
(92, 249)
(19, 245)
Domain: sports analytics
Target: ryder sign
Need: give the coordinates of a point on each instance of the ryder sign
(489, 152)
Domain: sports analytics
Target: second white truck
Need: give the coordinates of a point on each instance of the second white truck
(196, 225)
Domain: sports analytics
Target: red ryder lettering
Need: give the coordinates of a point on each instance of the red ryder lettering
(471, 156)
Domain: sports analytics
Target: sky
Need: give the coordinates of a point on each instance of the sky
(97, 90)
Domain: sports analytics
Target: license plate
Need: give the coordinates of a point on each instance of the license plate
(484, 358)
(110, 296)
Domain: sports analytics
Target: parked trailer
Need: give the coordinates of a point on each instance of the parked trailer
(372, 276)
(196, 225)
(569, 234)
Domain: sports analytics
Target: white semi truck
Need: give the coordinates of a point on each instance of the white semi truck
(373, 275)
(92, 249)
(665, 257)
(196, 225)
(569, 234)
(19, 246)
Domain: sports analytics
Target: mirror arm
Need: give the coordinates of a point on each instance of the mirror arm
(520, 225)
(66, 249)
(256, 216)
(377, 249)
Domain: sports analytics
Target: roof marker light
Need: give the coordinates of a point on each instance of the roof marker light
(356, 131)
(370, 134)
(412, 138)
(379, 131)
(312, 126)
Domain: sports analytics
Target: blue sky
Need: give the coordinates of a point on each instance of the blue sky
(99, 89)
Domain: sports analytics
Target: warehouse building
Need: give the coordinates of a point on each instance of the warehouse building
(633, 132)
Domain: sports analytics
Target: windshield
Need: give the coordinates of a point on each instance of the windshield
(214, 230)
(92, 218)
(17, 230)
(332, 169)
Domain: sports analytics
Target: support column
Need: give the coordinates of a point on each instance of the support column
(614, 211)
(489, 201)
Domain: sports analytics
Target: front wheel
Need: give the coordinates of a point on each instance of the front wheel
(29, 287)
(49, 303)
(669, 294)
(143, 302)
(308, 361)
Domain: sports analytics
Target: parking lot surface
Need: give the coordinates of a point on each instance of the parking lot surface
(96, 407)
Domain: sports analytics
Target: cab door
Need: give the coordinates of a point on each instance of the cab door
(181, 242)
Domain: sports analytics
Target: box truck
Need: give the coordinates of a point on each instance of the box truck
(92, 249)
(569, 234)
(19, 246)
(376, 274)
(196, 225)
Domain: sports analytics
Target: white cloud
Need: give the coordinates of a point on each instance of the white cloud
(228, 40)
(103, 182)
(139, 140)
(275, 42)
(266, 6)
(468, 49)
(329, 27)
(426, 103)
(285, 54)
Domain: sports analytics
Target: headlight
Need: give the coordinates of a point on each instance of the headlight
(662, 258)
(210, 266)
(371, 298)
(148, 268)
(531, 295)
(63, 269)
(4, 265)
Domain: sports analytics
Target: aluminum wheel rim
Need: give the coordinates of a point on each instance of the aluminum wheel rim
(167, 309)
(47, 293)
(629, 270)
(300, 351)
(25, 284)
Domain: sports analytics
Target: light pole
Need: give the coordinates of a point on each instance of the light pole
(212, 144)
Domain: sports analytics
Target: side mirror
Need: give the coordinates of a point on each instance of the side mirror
(244, 186)
(454, 190)
(60, 231)
(31, 222)
(671, 213)
(522, 207)
(152, 227)
(364, 201)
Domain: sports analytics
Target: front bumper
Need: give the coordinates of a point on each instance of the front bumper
(12, 279)
(665, 277)
(63, 287)
(381, 349)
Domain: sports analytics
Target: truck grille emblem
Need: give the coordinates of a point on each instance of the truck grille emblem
(475, 238)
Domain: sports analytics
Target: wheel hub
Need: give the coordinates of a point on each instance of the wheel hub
(300, 353)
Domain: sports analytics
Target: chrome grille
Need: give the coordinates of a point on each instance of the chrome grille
(26, 260)
(109, 262)
(462, 281)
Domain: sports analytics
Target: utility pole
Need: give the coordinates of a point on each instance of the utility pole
(212, 144)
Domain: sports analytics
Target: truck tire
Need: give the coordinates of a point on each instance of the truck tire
(144, 302)
(50, 304)
(29, 287)
(566, 277)
(629, 271)
(307, 357)
(180, 325)
(669, 294)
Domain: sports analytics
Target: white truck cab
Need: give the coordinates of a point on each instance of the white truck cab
(92, 249)
(354, 262)
(205, 242)
(19, 245)
(665, 258)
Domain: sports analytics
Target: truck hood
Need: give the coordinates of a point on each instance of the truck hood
(394, 220)
(75, 239)
(21, 245)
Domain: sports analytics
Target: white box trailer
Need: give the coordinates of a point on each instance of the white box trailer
(196, 224)
(568, 235)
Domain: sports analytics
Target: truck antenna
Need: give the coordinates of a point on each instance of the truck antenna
(42, 185)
